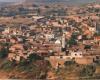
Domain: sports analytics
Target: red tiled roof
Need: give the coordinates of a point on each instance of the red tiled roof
(97, 37)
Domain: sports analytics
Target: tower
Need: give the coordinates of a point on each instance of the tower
(63, 41)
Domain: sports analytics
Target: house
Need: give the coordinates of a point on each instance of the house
(79, 37)
(97, 39)
(58, 48)
(88, 42)
(11, 56)
(17, 52)
(84, 60)
(58, 42)
(6, 31)
(37, 17)
(76, 54)
(12, 40)
(58, 61)
(49, 36)
(92, 29)
(18, 46)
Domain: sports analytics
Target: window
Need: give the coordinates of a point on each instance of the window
(61, 57)
(75, 54)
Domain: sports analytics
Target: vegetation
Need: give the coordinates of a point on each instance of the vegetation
(3, 52)
(25, 70)
(72, 41)
(67, 63)
(97, 34)
(7, 65)
(88, 70)
(34, 57)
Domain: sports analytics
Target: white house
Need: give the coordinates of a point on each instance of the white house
(58, 42)
(6, 31)
(92, 29)
(58, 47)
(49, 36)
(77, 54)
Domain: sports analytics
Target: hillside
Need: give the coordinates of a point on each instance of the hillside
(63, 1)
(68, 2)
(2, 4)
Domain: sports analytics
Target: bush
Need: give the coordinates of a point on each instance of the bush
(88, 70)
(7, 65)
(67, 63)
(23, 62)
(3, 53)
(72, 42)
(34, 57)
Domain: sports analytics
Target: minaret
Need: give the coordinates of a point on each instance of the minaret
(20, 28)
(8, 29)
(63, 41)
(96, 27)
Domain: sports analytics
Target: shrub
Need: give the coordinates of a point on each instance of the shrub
(7, 65)
(88, 70)
(69, 63)
(34, 57)
(3, 52)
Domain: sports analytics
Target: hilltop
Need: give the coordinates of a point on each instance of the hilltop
(63, 1)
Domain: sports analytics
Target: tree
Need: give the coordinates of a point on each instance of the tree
(87, 47)
(34, 57)
(35, 5)
(97, 34)
(88, 70)
(47, 6)
(72, 41)
(67, 63)
(3, 52)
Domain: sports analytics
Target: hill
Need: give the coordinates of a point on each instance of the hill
(63, 1)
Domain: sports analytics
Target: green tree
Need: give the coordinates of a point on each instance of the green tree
(88, 70)
(72, 41)
(3, 52)
(34, 57)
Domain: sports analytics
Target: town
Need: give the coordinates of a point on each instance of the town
(56, 36)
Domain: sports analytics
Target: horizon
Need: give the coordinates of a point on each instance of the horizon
(48, 0)
(11, 0)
